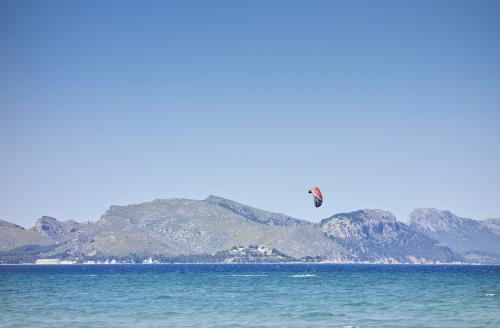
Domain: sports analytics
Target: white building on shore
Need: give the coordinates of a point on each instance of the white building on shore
(48, 261)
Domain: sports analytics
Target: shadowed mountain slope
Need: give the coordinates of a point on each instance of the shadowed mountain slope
(475, 240)
(371, 235)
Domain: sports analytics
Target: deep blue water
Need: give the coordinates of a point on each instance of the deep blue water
(249, 296)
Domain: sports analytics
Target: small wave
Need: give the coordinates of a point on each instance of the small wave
(489, 294)
(307, 275)
(350, 326)
(162, 297)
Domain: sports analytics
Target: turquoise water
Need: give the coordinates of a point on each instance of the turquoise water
(249, 296)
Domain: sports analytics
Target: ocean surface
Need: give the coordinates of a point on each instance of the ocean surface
(247, 295)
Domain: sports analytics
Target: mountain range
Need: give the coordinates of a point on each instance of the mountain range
(220, 230)
(476, 241)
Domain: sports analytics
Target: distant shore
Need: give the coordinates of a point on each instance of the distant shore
(261, 263)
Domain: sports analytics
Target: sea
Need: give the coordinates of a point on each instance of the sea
(249, 295)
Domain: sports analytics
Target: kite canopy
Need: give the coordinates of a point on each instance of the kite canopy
(317, 196)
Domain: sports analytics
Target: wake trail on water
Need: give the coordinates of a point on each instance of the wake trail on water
(307, 275)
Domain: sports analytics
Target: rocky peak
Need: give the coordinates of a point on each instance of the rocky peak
(431, 219)
(476, 240)
(52, 227)
(365, 216)
(48, 226)
(360, 224)
(375, 234)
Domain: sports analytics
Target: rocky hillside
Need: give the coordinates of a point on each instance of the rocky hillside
(187, 229)
(13, 236)
(57, 230)
(493, 224)
(256, 215)
(375, 235)
(478, 241)
(175, 227)
(183, 226)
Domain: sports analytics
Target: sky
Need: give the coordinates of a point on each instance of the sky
(387, 104)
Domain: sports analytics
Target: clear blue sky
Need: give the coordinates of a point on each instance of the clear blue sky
(391, 105)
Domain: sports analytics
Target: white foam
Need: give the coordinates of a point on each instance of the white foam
(307, 275)
(489, 294)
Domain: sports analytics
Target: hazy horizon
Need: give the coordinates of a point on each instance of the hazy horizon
(390, 105)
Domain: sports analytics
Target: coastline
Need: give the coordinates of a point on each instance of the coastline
(256, 264)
